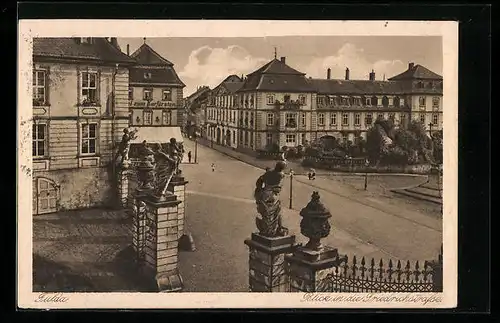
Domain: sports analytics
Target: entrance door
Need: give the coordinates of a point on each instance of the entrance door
(218, 136)
(46, 196)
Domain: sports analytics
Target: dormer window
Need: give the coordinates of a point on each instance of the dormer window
(287, 98)
(86, 40)
(147, 76)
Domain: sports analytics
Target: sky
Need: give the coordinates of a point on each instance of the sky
(208, 61)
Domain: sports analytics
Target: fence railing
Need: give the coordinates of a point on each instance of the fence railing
(389, 277)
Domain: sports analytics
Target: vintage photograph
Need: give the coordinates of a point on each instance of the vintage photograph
(215, 164)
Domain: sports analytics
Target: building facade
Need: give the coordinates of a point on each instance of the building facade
(279, 106)
(80, 108)
(155, 97)
(194, 106)
(223, 112)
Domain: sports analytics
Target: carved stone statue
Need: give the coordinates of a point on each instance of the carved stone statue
(124, 147)
(165, 168)
(145, 168)
(267, 190)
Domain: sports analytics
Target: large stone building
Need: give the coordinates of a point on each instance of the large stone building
(80, 108)
(156, 97)
(194, 106)
(223, 113)
(278, 105)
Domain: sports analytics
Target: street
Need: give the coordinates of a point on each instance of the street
(221, 211)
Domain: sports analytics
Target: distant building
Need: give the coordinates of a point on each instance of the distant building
(223, 114)
(155, 96)
(278, 105)
(80, 109)
(194, 106)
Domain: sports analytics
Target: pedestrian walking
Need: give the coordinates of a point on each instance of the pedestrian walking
(213, 167)
(312, 174)
(189, 156)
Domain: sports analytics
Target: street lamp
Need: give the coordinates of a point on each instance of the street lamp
(367, 163)
(291, 188)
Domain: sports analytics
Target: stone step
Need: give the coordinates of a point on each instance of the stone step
(424, 191)
(418, 196)
(431, 186)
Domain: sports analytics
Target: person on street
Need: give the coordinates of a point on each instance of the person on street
(213, 167)
(189, 156)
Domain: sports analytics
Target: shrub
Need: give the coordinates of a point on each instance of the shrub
(273, 148)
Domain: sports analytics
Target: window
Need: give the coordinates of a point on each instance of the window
(368, 101)
(167, 95)
(302, 99)
(333, 119)
(321, 119)
(345, 119)
(435, 119)
(86, 40)
(167, 117)
(402, 119)
(234, 137)
(422, 118)
(435, 103)
(369, 119)
(148, 117)
(344, 137)
(39, 140)
(357, 119)
(380, 116)
(392, 116)
(421, 101)
(39, 87)
(270, 99)
(396, 102)
(357, 101)
(269, 138)
(89, 138)
(89, 87)
(130, 93)
(291, 121)
(287, 98)
(345, 101)
(290, 138)
(270, 119)
(303, 138)
(147, 94)
(147, 76)
(303, 119)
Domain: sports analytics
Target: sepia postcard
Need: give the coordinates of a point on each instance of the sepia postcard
(237, 164)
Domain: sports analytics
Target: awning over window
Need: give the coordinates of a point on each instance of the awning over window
(157, 134)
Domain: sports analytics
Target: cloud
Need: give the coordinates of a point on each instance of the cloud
(209, 66)
(359, 66)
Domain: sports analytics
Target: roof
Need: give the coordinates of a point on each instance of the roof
(416, 72)
(276, 67)
(360, 87)
(69, 48)
(166, 75)
(278, 77)
(200, 91)
(233, 86)
(145, 55)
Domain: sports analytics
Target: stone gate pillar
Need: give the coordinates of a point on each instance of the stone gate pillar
(122, 187)
(178, 186)
(267, 267)
(161, 243)
(310, 265)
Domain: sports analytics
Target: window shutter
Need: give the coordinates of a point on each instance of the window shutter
(47, 85)
(98, 87)
(78, 85)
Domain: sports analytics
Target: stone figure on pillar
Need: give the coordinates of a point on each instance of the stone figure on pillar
(166, 167)
(124, 147)
(145, 168)
(267, 190)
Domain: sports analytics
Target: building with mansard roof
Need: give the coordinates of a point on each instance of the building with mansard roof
(80, 108)
(278, 105)
(156, 97)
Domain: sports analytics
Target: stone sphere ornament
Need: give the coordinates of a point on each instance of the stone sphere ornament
(315, 222)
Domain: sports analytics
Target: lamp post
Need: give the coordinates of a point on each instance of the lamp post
(367, 163)
(430, 129)
(291, 189)
(196, 147)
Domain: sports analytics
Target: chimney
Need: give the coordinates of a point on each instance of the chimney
(411, 65)
(283, 59)
(114, 42)
(347, 74)
(328, 73)
(372, 76)
(128, 49)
